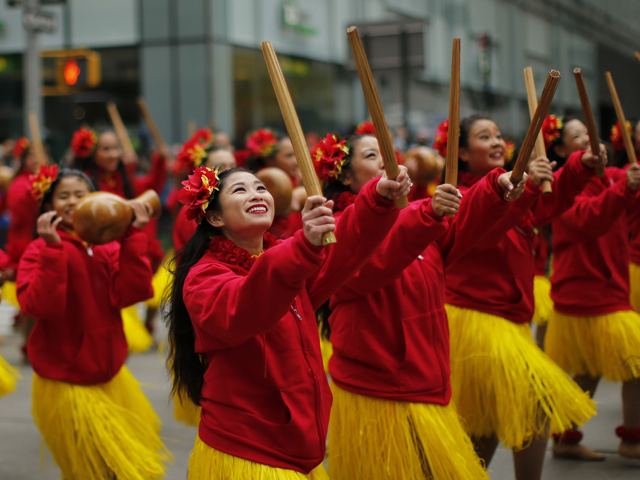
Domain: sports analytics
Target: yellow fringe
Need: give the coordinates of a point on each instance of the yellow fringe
(10, 293)
(100, 432)
(185, 411)
(138, 337)
(326, 349)
(8, 377)
(503, 384)
(374, 438)
(542, 295)
(634, 276)
(604, 346)
(206, 463)
(160, 282)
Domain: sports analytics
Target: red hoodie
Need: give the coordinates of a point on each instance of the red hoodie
(24, 212)
(496, 277)
(265, 396)
(76, 294)
(389, 327)
(591, 250)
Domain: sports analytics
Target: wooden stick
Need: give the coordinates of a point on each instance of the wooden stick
(589, 119)
(548, 91)
(541, 151)
(157, 137)
(453, 134)
(309, 177)
(38, 148)
(121, 131)
(638, 56)
(375, 109)
(631, 153)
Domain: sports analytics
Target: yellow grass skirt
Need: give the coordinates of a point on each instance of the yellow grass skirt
(185, 411)
(634, 276)
(102, 431)
(542, 296)
(160, 282)
(375, 438)
(604, 346)
(326, 349)
(138, 337)
(8, 377)
(504, 385)
(10, 293)
(206, 463)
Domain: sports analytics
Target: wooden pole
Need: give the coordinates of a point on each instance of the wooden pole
(631, 153)
(157, 137)
(121, 131)
(38, 148)
(548, 91)
(589, 119)
(541, 151)
(375, 109)
(453, 134)
(309, 177)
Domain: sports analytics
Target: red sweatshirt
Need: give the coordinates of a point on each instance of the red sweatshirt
(154, 180)
(496, 277)
(541, 257)
(591, 251)
(265, 396)
(389, 327)
(76, 294)
(24, 214)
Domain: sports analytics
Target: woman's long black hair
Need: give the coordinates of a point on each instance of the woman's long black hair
(188, 366)
(89, 166)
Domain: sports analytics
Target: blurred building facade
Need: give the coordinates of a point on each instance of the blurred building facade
(199, 60)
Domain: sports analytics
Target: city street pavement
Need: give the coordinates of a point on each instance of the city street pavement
(20, 442)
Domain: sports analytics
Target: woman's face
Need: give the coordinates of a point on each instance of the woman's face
(366, 163)
(108, 152)
(246, 207)
(285, 159)
(31, 163)
(486, 148)
(574, 139)
(224, 158)
(66, 196)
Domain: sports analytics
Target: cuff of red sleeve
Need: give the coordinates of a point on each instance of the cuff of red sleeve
(54, 246)
(492, 179)
(427, 210)
(313, 249)
(376, 202)
(578, 169)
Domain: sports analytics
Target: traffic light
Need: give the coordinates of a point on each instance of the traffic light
(75, 70)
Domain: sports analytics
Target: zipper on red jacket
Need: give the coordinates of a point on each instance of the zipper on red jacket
(316, 385)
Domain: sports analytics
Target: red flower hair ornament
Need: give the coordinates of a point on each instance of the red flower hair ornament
(197, 192)
(508, 154)
(442, 137)
(330, 156)
(21, 146)
(262, 143)
(41, 181)
(194, 151)
(616, 136)
(84, 142)
(551, 127)
(366, 128)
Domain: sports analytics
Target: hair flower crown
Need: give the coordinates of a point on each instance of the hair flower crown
(366, 128)
(262, 143)
(617, 142)
(511, 149)
(41, 181)
(194, 151)
(330, 156)
(21, 146)
(442, 137)
(84, 142)
(551, 127)
(197, 192)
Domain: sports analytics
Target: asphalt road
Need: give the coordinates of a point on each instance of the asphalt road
(20, 442)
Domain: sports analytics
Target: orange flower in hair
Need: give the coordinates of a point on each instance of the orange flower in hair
(616, 136)
(21, 146)
(330, 157)
(442, 137)
(41, 181)
(262, 143)
(551, 127)
(197, 192)
(366, 128)
(84, 142)
(508, 154)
